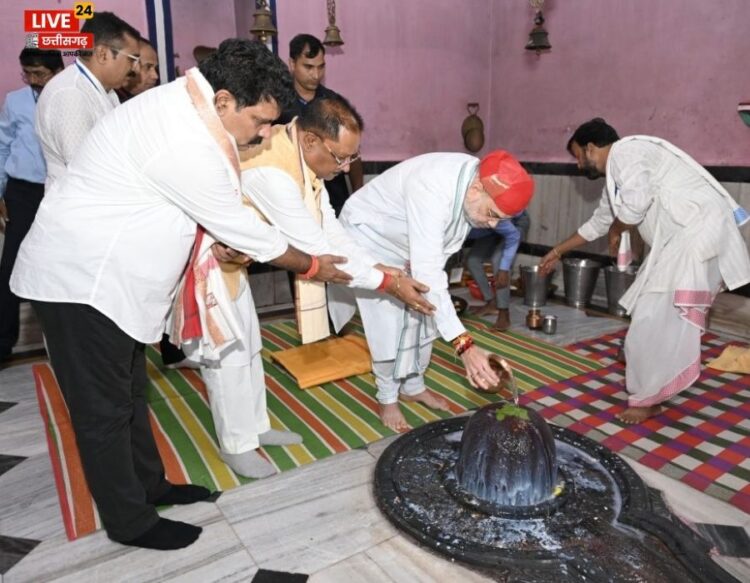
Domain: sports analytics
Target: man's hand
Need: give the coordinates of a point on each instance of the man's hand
(328, 272)
(614, 241)
(3, 215)
(616, 229)
(502, 279)
(548, 262)
(229, 255)
(479, 373)
(410, 291)
(394, 271)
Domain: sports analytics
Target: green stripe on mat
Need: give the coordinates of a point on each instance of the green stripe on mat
(341, 415)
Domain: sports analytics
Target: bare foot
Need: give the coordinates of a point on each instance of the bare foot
(503, 320)
(483, 310)
(392, 417)
(428, 399)
(633, 415)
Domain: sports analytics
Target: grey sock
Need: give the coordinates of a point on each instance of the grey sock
(277, 437)
(249, 464)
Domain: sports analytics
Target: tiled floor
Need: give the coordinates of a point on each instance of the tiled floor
(319, 520)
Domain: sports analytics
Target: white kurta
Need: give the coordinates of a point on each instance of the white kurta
(236, 385)
(277, 196)
(67, 110)
(688, 220)
(116, 230)
(411, 214)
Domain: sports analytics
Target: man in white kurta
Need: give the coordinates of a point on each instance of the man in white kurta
(691, 225)
(143, 179)
(84, 92)
(415, 216)
(283, 180)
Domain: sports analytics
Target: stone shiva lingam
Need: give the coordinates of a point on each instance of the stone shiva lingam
(523, 500)
(507, 464)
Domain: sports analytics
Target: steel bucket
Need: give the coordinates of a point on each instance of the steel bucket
(580, 276)
(535, 285)
(617, 283)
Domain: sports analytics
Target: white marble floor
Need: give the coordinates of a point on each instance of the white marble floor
(319, 520)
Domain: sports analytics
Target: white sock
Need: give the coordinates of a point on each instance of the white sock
(278, 437)
(249, 464)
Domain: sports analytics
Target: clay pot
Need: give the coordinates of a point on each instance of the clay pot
(472, 130)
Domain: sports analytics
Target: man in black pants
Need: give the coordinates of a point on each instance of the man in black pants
(22, 174)
(109, 245)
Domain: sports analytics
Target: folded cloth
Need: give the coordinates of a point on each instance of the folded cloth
(733, 359)
(325, 361)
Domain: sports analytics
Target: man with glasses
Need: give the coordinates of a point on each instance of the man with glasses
(143, 77)
(307, 63)
(22, 174)
(283, 179)
(103, 259)
(85, 91)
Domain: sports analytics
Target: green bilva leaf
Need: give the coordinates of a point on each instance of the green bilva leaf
(511, 410)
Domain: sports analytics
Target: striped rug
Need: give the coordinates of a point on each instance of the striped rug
(332, 418)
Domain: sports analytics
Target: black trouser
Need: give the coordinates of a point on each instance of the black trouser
(102, 374)
(22, 200)
(170, 354)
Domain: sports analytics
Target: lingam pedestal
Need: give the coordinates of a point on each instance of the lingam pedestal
(526, 501)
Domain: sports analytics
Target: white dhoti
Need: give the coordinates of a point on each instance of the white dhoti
(663, 344)
(663, 347)
(389, 386)
(236, 383)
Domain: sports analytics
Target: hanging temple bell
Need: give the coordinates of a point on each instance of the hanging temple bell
(472, 130)
(263, 27)
(333, 36)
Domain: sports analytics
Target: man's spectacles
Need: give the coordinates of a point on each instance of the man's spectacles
(341, 162)
(136, 59)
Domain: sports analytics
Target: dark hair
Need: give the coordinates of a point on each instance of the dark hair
(48, 59)
(250, 72)
(596, 131)
(325, 116)
(298, 44)
(108, 29)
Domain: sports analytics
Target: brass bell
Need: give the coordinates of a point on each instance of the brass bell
(538, 37)
(472, 130)
(263, 23)
(333, 36)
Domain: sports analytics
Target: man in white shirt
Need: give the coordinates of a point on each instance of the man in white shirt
(691, 225)
(109, 244)
(84, 92)
(283, 179)
(415, 216)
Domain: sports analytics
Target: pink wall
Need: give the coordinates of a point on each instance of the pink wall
(410, 67)
(671, 68)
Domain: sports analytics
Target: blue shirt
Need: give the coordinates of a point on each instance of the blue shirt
(20, 151)
(511, 239)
